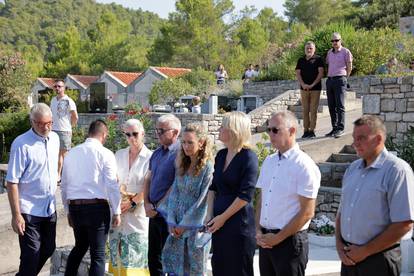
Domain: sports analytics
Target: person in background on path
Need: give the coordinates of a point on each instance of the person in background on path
(89, 180)
(157, 184)
(65, 117)
(185, 209)
(248, 74)
(388, 68)
(256, 71)
(339, 60)
(231, 199)
(128, 243)
(221, 75)
(289, 181)
(31, 185)
(377, 205)
(196, 108)
(309, 72)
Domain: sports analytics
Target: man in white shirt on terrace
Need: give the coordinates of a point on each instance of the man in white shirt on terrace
(89, 181)
(65, 117)
(289, 181)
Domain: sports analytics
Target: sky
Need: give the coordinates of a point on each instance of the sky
(163, 7)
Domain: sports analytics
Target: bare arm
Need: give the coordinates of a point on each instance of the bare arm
(340, 246)
(258, 211)
(217, 222)
(210, 205)
(73, 118)
(300, 80)
(319, 77)
(306, 212)
(149, 208)
(348, 68)
(18, 223)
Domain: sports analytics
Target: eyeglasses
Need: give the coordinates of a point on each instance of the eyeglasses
(43, 124)
(161, 131)
(130, 134)
(335, 40)
(275, 130)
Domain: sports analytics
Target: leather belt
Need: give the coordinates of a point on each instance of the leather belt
(87, 201)
(336, 77)
(387, 249)
(273, 231)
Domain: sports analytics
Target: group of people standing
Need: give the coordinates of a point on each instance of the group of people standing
(310, 71)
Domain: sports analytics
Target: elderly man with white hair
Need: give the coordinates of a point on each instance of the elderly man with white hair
(289, 181)
(31, 184)
(157, 183)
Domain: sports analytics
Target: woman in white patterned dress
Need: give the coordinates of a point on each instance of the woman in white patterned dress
(128, 243)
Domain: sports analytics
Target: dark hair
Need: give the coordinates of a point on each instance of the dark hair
(97, 127)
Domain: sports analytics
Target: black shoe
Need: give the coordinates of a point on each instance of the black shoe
(330, 134)
(338, 133)
(305, 134)
(311, 134)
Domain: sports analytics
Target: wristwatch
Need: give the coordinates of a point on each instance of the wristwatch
(133, 204)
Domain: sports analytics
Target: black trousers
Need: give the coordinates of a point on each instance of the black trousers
(37, 244)
(158, 234)
(287, 258)
(387, 263)
(90, 226)
(335, 91)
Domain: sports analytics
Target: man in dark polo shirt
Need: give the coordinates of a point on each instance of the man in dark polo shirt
(157, 184)
(309, 72)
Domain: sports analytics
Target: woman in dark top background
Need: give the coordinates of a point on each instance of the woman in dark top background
(230, 199)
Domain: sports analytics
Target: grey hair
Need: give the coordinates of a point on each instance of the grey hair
(171, 120)
(374, 123)
(310, 43)
(336, 34)
(40, 109)
(133, 123)
(289, 118)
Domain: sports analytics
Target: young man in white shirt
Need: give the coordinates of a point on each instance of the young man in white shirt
(65, 117)
(89, 190)
(289, 181)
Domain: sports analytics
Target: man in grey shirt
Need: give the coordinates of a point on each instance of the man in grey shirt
(377, 205)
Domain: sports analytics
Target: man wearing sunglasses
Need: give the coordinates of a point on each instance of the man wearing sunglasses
(339, 60)
(288, 182)
(157, 183)
(65, 117)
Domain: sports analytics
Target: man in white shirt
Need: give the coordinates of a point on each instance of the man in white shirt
(65, 117)
(89, 179)
(289, 181)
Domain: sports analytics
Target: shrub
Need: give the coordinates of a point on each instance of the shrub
(11, 126)
(405, 148)
(169, 90)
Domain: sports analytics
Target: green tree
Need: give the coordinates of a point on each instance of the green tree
(15, 83)
(194, 33)
(169, 90)
(316, 13)
(275, 27)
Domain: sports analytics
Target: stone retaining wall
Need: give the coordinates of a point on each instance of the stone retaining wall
(393, 100)
(327, 202)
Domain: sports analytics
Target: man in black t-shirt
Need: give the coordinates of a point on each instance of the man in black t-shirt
(309, 72)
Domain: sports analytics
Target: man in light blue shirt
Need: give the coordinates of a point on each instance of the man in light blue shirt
(377, 205)
(31, 184)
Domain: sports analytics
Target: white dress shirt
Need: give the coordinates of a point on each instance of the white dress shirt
(89, 172)
(283, 178)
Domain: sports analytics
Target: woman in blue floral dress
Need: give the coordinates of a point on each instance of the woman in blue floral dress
(186, 207)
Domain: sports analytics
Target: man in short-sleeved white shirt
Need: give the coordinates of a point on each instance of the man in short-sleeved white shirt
(289, 181)
(65, 117)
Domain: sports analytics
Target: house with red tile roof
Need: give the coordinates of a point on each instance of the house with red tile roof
(41, 85)
(140, 88)
(81, 83)
(115, 84)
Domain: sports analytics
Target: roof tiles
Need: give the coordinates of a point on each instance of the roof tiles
(172, 72)
(125, 77)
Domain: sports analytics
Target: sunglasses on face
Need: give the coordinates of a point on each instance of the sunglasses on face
(335, 40)
(130, 134)
(161, 131)
(274, 130)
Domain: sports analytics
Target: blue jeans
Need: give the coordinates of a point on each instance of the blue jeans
(37, 244)
(335, 91)
(90, 226)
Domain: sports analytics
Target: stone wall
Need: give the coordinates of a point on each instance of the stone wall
(393, 100)
(327, 202)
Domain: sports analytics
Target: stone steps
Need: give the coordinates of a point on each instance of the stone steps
(343, 157)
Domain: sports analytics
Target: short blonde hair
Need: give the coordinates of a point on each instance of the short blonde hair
(132, 123)
(239, 125)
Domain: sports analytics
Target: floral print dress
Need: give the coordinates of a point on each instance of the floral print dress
(186, 207)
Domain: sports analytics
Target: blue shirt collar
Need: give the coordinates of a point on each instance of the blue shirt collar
(38, 137)
(378, 162)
